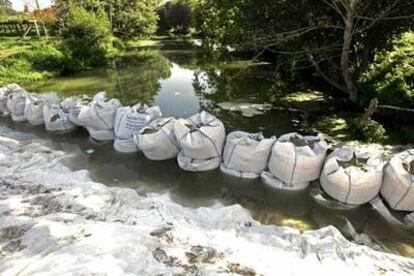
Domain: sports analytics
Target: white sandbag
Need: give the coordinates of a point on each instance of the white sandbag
(353, 176)
(157, 140)
(130, 120)
(4, 94)
(201, 140)
(398, 185)
(81, 104)
(246, 154)
(16, 102)
(56, 116)
(295, 160)
(33, 111)
(98, 117)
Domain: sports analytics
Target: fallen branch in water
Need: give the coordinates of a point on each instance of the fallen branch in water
(396, 108)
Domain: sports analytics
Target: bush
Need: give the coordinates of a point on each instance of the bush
(367, 130)
(391, 76)
(41, 61)
(87, 40)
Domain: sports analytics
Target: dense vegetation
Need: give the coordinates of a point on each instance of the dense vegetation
(354, 49)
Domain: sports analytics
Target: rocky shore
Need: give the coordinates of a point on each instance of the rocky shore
(58, 222)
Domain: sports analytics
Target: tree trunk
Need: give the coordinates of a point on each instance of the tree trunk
(346, 48)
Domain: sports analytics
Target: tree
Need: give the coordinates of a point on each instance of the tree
(6, 8)
(334, 38)
(176, 16)
(127, 18)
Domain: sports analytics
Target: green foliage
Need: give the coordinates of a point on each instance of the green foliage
(87, 40)
(367, 130)
(134, 19)
(391, 77)
(6, 8)
(176, 16)
(127, 18)
(41, 60)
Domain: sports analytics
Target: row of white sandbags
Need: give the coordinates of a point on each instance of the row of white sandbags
(356, 176)
(290, 162)
(34, 108)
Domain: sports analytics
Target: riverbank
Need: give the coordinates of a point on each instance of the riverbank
(57, 221)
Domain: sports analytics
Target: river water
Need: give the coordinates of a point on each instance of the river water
(183, 81)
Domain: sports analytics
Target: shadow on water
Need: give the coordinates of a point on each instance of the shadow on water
(183, 82)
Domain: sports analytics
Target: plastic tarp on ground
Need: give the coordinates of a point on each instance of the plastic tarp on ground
(82, 103)
(353, 176)
(99, 116)
(157, 141)
(56, 115)
(295, 160)
(246, 154)
(129, 121)
(16, 102)
(398, 184)
(201, 139)
(33, 111)
(4, 94)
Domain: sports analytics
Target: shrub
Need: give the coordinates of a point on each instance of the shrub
(42, 60)
(391, 76)
(367, 130)
(87, 40)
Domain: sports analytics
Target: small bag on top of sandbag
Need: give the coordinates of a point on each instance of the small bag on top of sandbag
(98, 117)
(398, 184)
(81, 103)
(33, 111)
(157, 141)
(4, 94)
(246, 154)
(56, 115)
(16, 102)
(353, 175)
(130, 120)
(295, 161)
(201, 139)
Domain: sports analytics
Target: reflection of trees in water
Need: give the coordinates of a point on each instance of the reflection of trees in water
(236, 82)
(136, 78)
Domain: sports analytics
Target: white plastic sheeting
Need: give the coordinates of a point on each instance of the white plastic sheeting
(246, 154)
(157, 141)
(353, 175)
(56, 116)
(201, 139)
(33, 111)
(295, 160)
(130, 120)
(16, 102)
(4, 94)
(398, 185)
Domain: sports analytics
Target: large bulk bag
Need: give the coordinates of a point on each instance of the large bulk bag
(56, 116)
(246, 154)
(130, 120)
(398, 184)
(201, 140)
(33, 111)
(295, 160)
(4, 94)
(81, 104)
(16, 102)
(353, 176)
(157, 140)
(98, 117)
